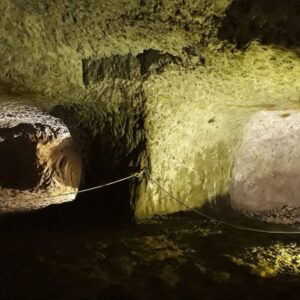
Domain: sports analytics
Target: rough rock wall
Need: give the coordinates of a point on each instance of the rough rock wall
(44, 43)
(196, 118)
(166, 74)
(89, 59)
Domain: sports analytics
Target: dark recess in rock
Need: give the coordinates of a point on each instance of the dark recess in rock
(116, 151)
(189, 51)
(152, 60)
(18, 154)
(37, 158)
(109, 132)
(142, 2)
(15, 163)
(270, 21)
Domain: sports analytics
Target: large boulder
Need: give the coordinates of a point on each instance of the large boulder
(266, 174)
(38, 159)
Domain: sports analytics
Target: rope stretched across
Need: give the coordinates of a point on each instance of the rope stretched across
(135, 175)
(217, 220)
(142, 173)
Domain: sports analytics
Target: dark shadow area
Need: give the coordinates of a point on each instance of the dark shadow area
(17, 158)
(154, 61)
(87, 212)
(104, 164)
(106, 157)
(270, 21)
(135, 261)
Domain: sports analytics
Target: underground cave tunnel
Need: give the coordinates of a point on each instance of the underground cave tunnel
(203, 96)
(38, 159)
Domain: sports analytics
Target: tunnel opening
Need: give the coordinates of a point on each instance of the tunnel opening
(39, 163)
(18, 164)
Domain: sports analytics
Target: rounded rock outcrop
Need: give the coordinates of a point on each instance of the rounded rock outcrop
(266, 174)
(38, 159)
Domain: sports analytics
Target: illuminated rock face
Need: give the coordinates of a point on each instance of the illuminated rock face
(167, 85)
(196, 118)
(266, 173)
(38, 159)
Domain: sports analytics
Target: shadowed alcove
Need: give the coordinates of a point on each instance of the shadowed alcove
(269, 21)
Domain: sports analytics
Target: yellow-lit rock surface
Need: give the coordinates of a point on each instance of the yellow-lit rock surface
(167, 85)
(196, 119)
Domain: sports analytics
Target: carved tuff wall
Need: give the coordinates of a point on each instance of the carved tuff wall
(165, 84)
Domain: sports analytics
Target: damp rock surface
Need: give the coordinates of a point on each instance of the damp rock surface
(38, 159)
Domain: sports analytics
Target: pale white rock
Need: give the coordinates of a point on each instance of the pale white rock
(266, 173)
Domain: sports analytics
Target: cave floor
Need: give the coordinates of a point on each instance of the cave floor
(178, 257)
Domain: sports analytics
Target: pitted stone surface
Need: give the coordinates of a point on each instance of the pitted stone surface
(153, 83)
(13, 114)
(195, 121)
